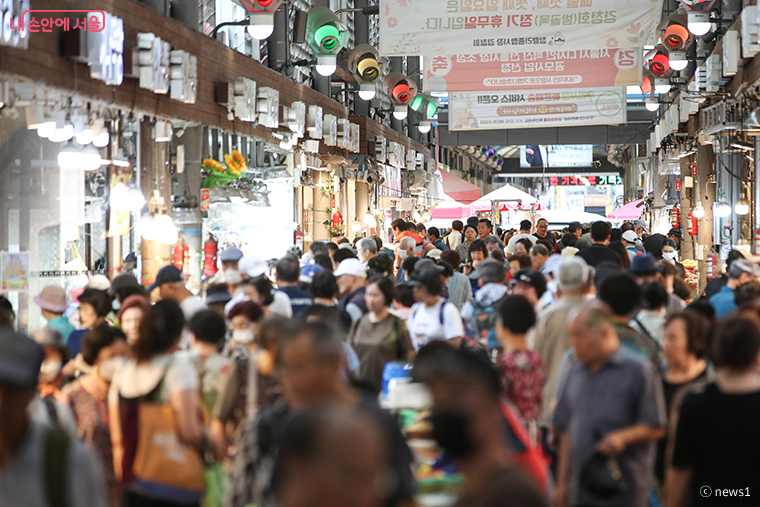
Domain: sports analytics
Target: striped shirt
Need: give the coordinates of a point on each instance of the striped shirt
(420, 242)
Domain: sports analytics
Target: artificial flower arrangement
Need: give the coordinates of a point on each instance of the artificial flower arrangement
(218, 174)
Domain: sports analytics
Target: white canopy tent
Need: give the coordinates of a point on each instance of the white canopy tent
(509, 196)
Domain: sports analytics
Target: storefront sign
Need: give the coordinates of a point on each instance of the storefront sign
(461, 27)
(14, 271)
(678, 184)
(521, 109)
(605, 179)
(595, 201)
(154, 60)
(105, 49)
(533, 70)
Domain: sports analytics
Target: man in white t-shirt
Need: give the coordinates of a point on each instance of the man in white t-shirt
(432, 317)
(525, 227)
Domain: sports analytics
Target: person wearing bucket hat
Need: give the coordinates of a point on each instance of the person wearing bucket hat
(740, 272)
(52, 300)
(645, 268)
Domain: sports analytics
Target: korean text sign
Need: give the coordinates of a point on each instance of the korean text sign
(533, 70)
(549, 108)
(462, 27)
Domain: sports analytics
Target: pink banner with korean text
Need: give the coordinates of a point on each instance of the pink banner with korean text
(464, 27)
(587, 68)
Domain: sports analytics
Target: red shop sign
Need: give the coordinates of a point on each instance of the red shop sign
(205, 199)
(678, 184)
(693, 168)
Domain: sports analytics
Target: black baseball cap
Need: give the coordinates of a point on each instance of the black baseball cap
(167, 274)
(574, 226)
(532, 278)
(675, 231)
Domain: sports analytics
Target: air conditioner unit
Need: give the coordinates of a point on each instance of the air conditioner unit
(245, 99)
(381, 149)
(355, 146)
(315, 122)
(343, 133)
(330, 130)
(294, 117)
(268, 107)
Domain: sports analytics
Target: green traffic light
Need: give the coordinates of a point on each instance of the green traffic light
(327, 37)
(431, 109)
(416, 103)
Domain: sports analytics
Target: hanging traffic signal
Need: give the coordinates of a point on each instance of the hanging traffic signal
(326, 35)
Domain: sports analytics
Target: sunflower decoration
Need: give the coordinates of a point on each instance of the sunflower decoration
(218, 174)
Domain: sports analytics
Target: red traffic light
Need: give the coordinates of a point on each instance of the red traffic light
(659, 64)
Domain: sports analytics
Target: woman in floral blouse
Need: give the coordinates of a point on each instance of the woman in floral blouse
(522, 373)
(103, 347)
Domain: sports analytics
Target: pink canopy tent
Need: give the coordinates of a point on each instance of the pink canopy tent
(448, 208)
(509, 195)
(628, 211)
(459, 189)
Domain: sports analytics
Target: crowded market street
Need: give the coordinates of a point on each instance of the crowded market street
(299, 253)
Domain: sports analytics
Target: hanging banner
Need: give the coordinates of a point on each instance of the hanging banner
(551, 108)
(533, 70)
(463, 27)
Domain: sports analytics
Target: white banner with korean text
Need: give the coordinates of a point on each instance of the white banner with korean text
(545, 108)
(463, 27)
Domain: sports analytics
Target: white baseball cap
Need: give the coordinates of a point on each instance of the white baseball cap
(630, 236)
(351, 266)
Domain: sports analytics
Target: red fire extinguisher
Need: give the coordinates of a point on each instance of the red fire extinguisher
(337, 219)
(178, 253)
(675, 217)
(209, 258)
(693, 225)
(299, 238)
(712, 266)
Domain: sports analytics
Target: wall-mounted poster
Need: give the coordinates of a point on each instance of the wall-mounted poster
(14, 271)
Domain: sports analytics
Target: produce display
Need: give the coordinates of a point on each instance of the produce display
(692, 275)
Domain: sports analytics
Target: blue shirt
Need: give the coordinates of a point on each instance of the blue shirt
(723, 302)
(300, 300)
(440, 245)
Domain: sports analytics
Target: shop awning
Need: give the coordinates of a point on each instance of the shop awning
(509, 197)
(448, 208)
(629, 211)
(458, 189)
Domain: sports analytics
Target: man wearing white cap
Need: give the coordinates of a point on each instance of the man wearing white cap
(52, 300)
(629, 241)
(352, 282)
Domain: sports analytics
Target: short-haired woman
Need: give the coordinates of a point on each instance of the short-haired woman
(379, 337)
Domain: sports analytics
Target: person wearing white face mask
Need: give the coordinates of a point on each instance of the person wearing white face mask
(669, 254)
(105, 349)
(245, 318)
(405, 251)
(56, 355)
